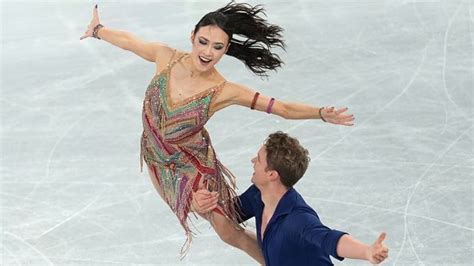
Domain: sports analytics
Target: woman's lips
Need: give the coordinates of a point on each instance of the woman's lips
(204, 60)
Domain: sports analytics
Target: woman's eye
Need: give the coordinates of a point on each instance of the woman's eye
(218, 47)
(202, 42)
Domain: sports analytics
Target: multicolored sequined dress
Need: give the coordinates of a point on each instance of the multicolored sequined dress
(178, 152)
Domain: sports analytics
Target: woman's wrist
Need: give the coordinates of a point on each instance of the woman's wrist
(95, 32)
(320, 111)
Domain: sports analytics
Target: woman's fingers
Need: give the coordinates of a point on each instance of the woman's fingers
(95, 12)
(340, 111)
(338, 116)
(92, 24)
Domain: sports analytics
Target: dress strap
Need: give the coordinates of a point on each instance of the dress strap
(216, 91)
(172, 62)
(171, 58)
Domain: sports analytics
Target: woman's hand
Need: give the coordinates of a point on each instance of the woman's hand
(337, 116)
(94, 22)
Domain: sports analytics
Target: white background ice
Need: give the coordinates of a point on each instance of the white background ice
(71, 189)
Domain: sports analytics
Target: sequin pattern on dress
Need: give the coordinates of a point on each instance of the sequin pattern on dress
(178, 151)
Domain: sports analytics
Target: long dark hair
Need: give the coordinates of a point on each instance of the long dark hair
(256, 35)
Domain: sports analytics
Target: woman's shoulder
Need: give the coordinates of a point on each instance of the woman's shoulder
(218, 78)
(169, 54)
(166, 56)
(235, 88)
(178, 53)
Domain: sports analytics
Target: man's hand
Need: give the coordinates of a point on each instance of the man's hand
(204, 201)
(378, 252)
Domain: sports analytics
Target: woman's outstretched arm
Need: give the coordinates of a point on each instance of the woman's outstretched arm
(150, 51)
(237, 94)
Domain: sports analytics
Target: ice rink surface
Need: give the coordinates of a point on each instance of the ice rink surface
(71, 188)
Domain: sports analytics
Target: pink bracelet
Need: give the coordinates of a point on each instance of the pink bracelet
(270, 105)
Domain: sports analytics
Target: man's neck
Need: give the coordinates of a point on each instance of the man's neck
(271, 196)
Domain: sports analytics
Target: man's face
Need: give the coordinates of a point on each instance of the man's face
(260, 174)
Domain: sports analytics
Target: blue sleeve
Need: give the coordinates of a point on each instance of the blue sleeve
(246, 203)
(322, 237)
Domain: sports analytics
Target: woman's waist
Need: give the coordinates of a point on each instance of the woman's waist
(164, 152)
(182, 134)
(169, 142)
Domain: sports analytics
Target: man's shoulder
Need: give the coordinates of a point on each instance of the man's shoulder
(301, 207)
(302, 212)
(248, 199)
(251, 191)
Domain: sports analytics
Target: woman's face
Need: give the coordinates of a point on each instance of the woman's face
(210, 43)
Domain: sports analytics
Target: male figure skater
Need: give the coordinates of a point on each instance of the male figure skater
(289, 231)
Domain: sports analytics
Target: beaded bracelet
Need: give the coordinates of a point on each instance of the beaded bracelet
(270, 105)
(95, 32)
(321, 115)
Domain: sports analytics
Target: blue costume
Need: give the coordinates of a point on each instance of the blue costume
(294, 235)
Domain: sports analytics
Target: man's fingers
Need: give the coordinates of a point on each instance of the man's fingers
(211, 208)
(198, 197)
(209, 202)
(379, 258)
(384, 250)
(203, 192)
(205, 200)
(205, 208)
(381, 238)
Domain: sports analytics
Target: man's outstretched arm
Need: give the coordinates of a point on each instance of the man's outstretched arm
(349, 247)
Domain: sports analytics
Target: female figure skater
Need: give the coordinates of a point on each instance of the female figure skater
(187, 90)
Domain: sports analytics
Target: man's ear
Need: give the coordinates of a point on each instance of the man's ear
(274, 176)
